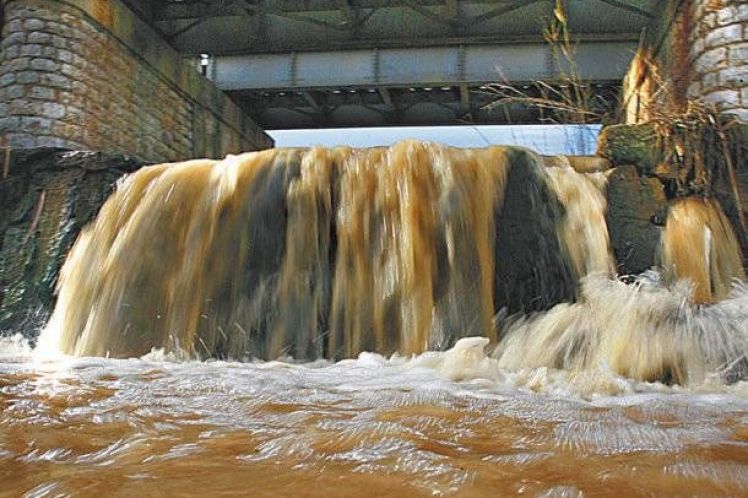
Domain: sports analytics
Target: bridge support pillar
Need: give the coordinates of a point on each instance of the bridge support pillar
(698, 49)
(84, 74)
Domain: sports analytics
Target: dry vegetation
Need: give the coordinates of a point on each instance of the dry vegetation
(696, 146)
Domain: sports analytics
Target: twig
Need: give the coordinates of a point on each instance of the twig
(6, 164)
(37, 216)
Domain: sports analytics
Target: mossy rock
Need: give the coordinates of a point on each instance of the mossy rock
(630, 145)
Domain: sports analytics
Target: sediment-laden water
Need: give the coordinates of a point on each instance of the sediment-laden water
(440, 424)
(478, 339)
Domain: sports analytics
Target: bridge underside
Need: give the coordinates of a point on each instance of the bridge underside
(328, 63)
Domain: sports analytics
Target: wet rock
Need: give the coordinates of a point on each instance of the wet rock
(531, 272)
(630, 145)
(734, 371)
(48, 196)
(636, 209)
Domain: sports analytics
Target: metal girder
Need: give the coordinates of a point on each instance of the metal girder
(434, 66)
(401, 106)
(200, 8)
(628, 7)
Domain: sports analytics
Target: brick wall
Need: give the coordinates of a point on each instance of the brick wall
(700, 47)
(90, 75)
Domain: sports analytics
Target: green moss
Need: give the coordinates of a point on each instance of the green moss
(630, 144)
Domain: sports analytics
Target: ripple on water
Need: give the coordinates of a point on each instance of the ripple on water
(382, 427)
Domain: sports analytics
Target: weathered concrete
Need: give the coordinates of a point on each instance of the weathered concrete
(48, 196)
(86, 74)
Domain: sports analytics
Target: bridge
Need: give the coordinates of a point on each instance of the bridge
(338, 63)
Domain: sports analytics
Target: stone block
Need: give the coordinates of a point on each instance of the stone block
(710, 81)
(53, 110)
(59, 29)
(36, 125)
(724, 35)
(57, 81)
(60, 42)
(31, 50)
(734, 76)
(697, 47)
(33, 24)
(19, 64)
(14, 92)
(70, 70)
(27, 77)
(65, 56)
(40, 38)
(10, 52)
(10, 124)
(44, 65)
(723, 99)
(42, 92)
(742, 15)
(741, 114)
(21, 107)
(739, 53)
(14, 26)
(7, 79)
(727, 15)
(711, 60)
(13, 39)
(21, 140)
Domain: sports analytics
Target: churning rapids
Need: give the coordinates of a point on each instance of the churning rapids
(407, 321)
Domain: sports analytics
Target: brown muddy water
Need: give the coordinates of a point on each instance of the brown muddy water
(438, 424)
(404, 251)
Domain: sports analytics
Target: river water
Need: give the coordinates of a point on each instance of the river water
(438, 424)
(330, 253)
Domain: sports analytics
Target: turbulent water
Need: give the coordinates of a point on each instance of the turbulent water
(444, 424)
(505, 356)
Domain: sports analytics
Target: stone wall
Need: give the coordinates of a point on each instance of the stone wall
(699, 49)
(85, 74)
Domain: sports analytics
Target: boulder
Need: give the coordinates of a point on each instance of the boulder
(637, 206)
(630, 145)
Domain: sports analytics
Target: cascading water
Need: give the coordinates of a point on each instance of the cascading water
(300, 252)
(597, 386)
(320, 252)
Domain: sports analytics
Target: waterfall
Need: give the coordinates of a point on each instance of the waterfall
(331, 252)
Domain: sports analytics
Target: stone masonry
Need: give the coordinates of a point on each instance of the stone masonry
(699, 47)
(719, 54)
(90, 75)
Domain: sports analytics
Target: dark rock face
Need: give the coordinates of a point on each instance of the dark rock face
(47, 197)
(636, 206)
(531, 272)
